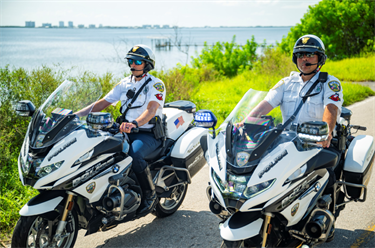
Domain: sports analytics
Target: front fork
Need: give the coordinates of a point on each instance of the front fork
(266, 227)
(62, 223)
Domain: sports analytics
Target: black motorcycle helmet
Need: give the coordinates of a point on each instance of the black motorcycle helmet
(142, 52)
(310, 43)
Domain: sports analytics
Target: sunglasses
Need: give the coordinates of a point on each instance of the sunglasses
(137, 62)
(308, 55)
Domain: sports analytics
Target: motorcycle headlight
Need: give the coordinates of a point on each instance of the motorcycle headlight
(257, 189)
(234, 185)
(26, 165)
(44, 171)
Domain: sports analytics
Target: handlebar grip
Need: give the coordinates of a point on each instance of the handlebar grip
(359, 127)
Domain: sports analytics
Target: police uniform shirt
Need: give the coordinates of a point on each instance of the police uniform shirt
(153, 91)
(287, 94)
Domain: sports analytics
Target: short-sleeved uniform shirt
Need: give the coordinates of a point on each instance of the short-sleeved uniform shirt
(287, 94)
(153, 91)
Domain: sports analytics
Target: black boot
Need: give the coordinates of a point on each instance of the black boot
(148, 190)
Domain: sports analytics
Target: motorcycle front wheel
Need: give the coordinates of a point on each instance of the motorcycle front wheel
(36, 231)
(168, 206)
(232, 244)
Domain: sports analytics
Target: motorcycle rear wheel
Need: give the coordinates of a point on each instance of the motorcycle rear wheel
(33, 232)
(168, 206)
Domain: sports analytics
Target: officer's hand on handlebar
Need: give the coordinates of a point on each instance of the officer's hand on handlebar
(126, 127)
(326, 143)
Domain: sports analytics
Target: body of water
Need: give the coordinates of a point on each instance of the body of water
(103, 50)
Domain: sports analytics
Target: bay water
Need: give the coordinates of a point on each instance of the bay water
(103, 50)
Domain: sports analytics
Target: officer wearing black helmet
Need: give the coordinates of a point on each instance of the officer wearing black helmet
(309, 57)
(325, 101)
(142, 98)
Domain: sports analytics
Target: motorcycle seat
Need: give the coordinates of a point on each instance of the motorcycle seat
(160, 151)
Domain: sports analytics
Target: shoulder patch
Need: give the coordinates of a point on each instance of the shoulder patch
(335, 97)
(334, 86)
(159, 87)
(281, 82)
(159, 97)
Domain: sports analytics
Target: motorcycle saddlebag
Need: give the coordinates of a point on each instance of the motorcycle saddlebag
(187, 152)
(358, 163)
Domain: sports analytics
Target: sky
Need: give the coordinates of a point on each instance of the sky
(182, 13)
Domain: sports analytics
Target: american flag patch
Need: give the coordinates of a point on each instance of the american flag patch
(179, 122)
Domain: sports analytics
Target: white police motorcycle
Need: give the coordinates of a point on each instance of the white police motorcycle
(268, 184)
(83, 177)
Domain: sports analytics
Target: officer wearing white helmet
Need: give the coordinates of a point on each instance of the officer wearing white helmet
(324, 103)
(142, 99)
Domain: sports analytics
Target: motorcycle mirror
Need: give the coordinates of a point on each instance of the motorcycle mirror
(25, 108)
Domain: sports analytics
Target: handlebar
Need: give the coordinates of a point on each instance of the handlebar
(116, 129)
(358, 127)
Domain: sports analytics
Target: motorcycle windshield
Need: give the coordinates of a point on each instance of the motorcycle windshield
(55, 119)
(247, 135)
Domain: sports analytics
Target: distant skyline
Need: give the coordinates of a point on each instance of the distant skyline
(180, 13)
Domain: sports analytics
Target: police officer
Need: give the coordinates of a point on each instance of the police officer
(309, 57)
(136, 113)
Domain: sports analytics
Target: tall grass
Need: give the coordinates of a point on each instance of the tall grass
(222, 96)
(354, 69)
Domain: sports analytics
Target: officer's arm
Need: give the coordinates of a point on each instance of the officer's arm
(148, 114)
(98, 106)
(329, 116)
(262, 108)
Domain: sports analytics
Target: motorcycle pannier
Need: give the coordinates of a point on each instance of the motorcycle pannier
(187, 152)
(358, 163)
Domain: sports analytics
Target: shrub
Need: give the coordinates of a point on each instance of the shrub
(228, 59)
(346, 27)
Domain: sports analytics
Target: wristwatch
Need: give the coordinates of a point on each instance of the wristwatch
(135, 123)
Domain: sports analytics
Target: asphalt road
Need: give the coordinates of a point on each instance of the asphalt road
(193, 225)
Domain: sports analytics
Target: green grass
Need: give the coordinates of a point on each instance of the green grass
(222, 96)
(354, 69)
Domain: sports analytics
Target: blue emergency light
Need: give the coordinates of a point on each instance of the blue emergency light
(205, 118)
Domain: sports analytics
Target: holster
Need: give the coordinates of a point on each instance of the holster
(158, 128)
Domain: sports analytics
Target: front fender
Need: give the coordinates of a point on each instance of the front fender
(241, 225)
(45, 202)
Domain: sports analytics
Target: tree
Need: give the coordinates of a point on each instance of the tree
(346, 27)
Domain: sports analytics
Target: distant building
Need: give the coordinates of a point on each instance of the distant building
(146, 26)
(46, 25)
(156, 26)
(30, 24)
(81, 26)
(165, 26)
(61, 24)
(70, 25)
(92, 26)
(100, 26)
